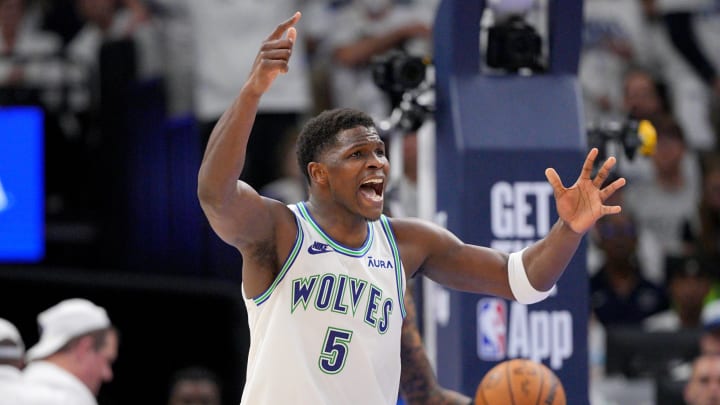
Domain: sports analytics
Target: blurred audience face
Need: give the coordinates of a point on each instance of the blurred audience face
(711, 188)
(710, 342)
(670, 148)
(11, 13)
(688, 291)
(703, 388)
(99, 12)
(617, 237)
(640, 96)
(95, 364)
(195, 392)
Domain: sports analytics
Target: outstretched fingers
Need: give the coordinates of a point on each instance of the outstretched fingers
(587, 168)
(611, 209)
(604, 171)
(554, 179)
(612, 188)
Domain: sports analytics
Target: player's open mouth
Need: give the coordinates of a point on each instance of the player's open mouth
(372, 189)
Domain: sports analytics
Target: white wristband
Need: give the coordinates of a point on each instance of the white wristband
(520, 286)
(11, 352)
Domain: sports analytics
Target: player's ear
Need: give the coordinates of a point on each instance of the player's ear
(318, 173)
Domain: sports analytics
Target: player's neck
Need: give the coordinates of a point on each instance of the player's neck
(345, 227)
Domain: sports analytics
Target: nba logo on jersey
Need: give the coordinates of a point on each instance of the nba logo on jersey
(491, 329)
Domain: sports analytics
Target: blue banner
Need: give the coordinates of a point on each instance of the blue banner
(22, 197)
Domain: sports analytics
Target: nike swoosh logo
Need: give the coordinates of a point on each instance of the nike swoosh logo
(317, 248)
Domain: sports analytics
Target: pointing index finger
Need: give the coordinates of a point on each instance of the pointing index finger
(280, 30)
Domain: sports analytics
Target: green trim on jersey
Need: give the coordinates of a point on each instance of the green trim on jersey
(398, 264)
(286, 266)
(335, 245)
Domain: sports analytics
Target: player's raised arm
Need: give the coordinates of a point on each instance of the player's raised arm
(236, 212)
(526, 276)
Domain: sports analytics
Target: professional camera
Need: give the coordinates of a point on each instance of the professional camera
(396, 72)
(408, 81)
(513, 45)
(632, 135)
(414, 108)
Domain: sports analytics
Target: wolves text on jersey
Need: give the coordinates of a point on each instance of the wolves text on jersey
(343, 294)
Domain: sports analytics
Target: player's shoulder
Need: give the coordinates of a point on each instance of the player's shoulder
(409, 228)
(284, 218)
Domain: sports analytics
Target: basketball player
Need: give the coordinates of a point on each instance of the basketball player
(324, 279)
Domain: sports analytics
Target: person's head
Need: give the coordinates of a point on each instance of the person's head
(703, 387)
(671, 147)
(194, 386)
(617, 236)
(708, 227)
(711, 182)
(77, 335)
(98, 12)
(11, 14)
(642, 95)
(710, 338)
(12, 348)
(688, 280)
(342, 156)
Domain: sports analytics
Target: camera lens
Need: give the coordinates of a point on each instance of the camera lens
(513, 45)
(409, 73)
(398, 72)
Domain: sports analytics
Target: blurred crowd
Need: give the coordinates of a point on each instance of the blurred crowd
(91, 65)
(654, 267)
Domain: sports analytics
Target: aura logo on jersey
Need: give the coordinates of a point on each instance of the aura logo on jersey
(535, 334)
(379, 263)
(343, 295)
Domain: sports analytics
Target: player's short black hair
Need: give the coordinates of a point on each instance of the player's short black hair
(321, 132)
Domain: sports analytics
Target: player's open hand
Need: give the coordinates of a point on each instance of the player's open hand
(583, 203)
(274, 56)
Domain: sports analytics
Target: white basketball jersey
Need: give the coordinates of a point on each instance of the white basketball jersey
(327, 331)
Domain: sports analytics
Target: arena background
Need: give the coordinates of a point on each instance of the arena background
(146, 253)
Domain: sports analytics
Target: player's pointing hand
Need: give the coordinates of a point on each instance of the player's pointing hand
(274, 56)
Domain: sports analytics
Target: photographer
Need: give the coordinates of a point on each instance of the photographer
(366, 30)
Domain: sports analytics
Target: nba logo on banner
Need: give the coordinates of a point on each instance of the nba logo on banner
(492, 329)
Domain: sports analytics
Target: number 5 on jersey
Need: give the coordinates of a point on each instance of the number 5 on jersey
(334, 350)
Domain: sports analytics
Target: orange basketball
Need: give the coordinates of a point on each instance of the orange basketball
(520, 382)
